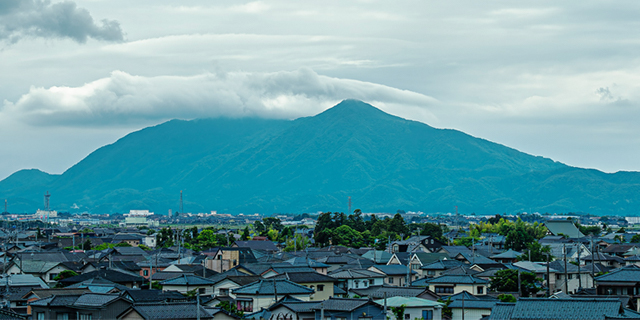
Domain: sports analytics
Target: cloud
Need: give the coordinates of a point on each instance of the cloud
(41, 18)
(123, 98)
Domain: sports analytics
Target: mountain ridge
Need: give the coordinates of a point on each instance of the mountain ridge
(309, 164)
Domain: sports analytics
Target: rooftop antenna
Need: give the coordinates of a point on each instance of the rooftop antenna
(349, 205)
(46, 200)
(181, 202)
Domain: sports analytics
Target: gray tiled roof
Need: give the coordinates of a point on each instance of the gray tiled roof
(356, 274)
(341, 304)
(171, 311)
(393, 269)
(565, 227)
(95, 299)
(377, 292)
(304, 277)
(625, 274)
(457, 279)
(266, 287)
(187, 280)
(473, 304)
(576, 308)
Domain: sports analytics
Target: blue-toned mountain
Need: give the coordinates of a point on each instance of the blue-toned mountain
(383, 162)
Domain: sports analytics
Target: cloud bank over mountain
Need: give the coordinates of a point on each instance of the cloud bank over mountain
(123, 97)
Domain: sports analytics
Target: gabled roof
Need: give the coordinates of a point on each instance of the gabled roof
(392, 269)
(160, 311)
(117, 276)
(187, 280)
(409, 302)
(137, 296)
(563, 227)
(306, 262)
(509, 254)
(442, 265)
(377, 292)
(457, 279)
(305, 277)
(629, 273)
(379, 255)
(356, 274)
(342, 304)
(575, 308)
(428, 257)
(258, 245)
(266, 287)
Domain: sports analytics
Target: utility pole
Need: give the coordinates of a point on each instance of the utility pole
(579, 271)
(566, 272)
(519, 284)
(198, 304)
(548, 278)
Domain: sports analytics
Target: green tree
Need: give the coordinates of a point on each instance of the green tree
(164, 238)
(231, 308)
(518, 239)
(506, 297)
(635, 238)
(86, 245)
(398, 312)
(143, 247)
(245, 234)
(536, 252)
(300, 243)
(507, 281)
(206, 239)
(122, 244)
(346, 236)
(260, 228)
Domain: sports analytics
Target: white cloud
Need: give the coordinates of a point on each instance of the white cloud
(124, 98)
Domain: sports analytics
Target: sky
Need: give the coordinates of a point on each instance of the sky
(553, 79)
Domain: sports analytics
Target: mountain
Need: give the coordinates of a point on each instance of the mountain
(310, 164)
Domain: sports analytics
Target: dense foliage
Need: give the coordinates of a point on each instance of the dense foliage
(507, 281)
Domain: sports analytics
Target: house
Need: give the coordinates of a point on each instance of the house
(124, 278)
(319, 267)
(575, 278)
(197, 269)
(377, 256)
(622, 281)
(45, 270)
(189, 282)
(453, 284)
(85, 306)
(160, 311)
(421, 259)
(292, 309)
(223, 286)
(223, 259)
(263, 293)
(357, 278)
(379, 292)
(509, 256)
(417, 244)
(607, 260)
(321, 284)
(564, 228)
(415, 308)
(395, 275)
(466, 306)
(540, 270)
(343, 308)
(580, 308)
(437, 268)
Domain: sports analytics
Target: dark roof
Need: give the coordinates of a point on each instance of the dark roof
(377, 292)
(138, 296)
(108, 274)
(394, 269)
(458, 279)
(356, 274)
(257, 244)
(564, 227)
(10, 315)
(473, 304)
(158, 311)
(266, 287)
(197, 269)
(95, 300)
(187, 280)
(442, 265)
(342, 304)
(629, 273)
(304, 277)
(574, 308)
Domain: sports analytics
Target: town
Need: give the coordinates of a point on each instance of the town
(323, 266)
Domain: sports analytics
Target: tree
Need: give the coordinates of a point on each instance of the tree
(518, 238)
(635, 238)
(536, 252)
(64, 275)
(245, 234)
(507, 281)
(300, 242)
(345, 236)
(230, 308)
(206, 239)
(506, 297)
(86, 245)
(398, 312)
(123, 244)
(164, 238)
(143, 247)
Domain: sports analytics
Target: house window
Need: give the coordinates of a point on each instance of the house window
(431, 272)
(415, 266)
(365, 283)
(202, 290)
(427, 314)
(407, 316)
(444, 289)
(570, 276)
(224, 291)
(390, 279)
(145, 273)
(245, 305)
(52, 276)
(480, 290)
(321, 287)
(86, 317)
(62, 316)
(40, 316)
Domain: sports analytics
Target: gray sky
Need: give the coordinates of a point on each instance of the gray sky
(554, 79)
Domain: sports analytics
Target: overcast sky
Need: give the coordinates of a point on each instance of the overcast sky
(556, 79)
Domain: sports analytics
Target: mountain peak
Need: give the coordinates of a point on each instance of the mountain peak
(353, 108)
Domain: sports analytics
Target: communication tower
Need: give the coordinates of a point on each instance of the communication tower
(46, 200)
